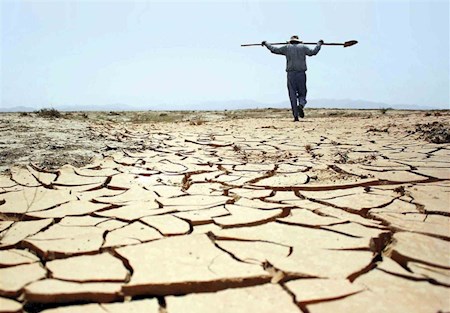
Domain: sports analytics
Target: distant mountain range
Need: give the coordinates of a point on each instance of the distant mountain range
(362, 104)
(232, 105)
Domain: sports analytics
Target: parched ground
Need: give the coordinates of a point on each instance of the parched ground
(241, 211)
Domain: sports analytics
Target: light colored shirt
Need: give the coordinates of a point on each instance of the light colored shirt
(295, 55)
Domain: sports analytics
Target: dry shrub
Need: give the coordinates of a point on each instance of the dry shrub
(384, 110)
(341, 157)
(308, 148)
(197, 122)
(435, 132)
(48, 113)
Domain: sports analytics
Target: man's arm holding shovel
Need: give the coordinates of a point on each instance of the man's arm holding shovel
(276, 50)
(316, 50)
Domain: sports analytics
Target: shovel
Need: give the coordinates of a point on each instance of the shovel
(345, 44)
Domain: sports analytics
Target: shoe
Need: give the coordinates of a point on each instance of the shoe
(295, 119)
(301, 112)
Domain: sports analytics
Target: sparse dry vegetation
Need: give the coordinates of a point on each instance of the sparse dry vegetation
(378, 130)
(435, 132)
(341, 157)
(155, 117)
(314, 155)
(336, 113)
(197, 122)
(48, 113)
(384, 110)
(308, 148)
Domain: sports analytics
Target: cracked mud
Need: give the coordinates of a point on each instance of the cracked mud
(253, 215)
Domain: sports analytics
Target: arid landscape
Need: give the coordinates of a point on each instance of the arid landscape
(225, 211)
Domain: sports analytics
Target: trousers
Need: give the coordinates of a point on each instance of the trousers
(296, 83)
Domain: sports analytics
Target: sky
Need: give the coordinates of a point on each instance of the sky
(166, 55)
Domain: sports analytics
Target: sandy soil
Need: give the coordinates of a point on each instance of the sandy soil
(242, 211)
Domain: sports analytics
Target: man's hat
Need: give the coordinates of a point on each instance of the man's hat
(294, 39)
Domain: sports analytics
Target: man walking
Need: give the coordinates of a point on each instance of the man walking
(295, 53)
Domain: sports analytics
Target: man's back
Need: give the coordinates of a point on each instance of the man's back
(295, 55)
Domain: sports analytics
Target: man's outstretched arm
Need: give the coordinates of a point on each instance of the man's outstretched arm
(277, 50)
(316, 50)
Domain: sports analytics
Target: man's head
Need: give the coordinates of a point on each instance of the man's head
(294, 39)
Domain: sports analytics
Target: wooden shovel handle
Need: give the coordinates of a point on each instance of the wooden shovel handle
(345, 44)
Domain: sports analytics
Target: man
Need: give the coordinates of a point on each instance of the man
(295, 53)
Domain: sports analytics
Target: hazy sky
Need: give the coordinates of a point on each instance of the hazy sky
(164, 54)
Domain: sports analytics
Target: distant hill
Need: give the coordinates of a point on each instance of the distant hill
(233, 105)
(363, 104)
(17, 109)
(314, 103)
(108, 107)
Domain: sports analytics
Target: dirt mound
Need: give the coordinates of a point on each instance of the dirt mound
(434, 132)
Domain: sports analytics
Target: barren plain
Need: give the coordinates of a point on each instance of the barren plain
(232, 211)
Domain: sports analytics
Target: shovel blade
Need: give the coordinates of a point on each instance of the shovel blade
(350, 43)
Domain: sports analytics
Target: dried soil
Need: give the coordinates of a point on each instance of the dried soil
(241, 211)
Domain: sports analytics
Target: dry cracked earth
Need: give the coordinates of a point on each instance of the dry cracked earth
(252, 215)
